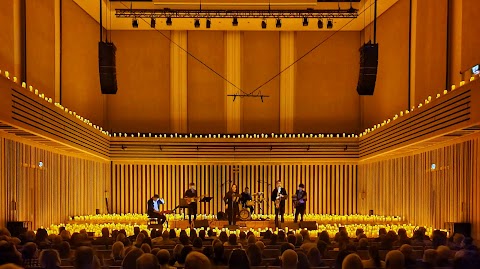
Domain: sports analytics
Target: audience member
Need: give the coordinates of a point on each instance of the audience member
(49, 259)
(394, 260)
(196, 260)
(352, 261)
(163, 257)
(289, 259)
(147, 261)
(254, 255)
(375, 260)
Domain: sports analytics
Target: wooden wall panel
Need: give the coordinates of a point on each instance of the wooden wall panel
(7, 49)
(408, 186)
(63, 187)
(131, 189)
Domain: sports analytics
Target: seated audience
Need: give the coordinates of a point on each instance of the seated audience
(314, 257)
(289, 259)
(394, 260)
(410, 261)
(85, 259)
(303, 262)
(117, 251)
(254, 255)
(130, 260)
(352, 261)
(29, 255)
(163, 257)
(196, 260)
(238, 260)
(443, 256)
(197, 244)
(49, 259)
(147, 261)
(374, 261)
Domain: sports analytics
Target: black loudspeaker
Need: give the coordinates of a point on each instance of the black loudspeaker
(221, 215)
(16, 228)
(463, 228)
(309, 225)
(107, 67)
(368, 69)
(201, 223)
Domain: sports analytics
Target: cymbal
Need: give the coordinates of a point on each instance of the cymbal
(258, 194)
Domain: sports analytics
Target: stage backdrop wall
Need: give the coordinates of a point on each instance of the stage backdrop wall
(408, 186)
(63, 187)
(332, 188)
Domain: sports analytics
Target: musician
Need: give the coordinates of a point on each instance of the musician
(192, 206)
(245, 197)
(301, 202)
(231, 200)
(153, 208)
(279, 195)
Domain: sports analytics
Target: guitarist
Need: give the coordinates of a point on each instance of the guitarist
(153, 208)
(300, 202)
(279, 195)
(192, 203)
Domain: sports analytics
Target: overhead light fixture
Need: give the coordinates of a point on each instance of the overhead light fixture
(305, 21)
(235, 21)
(153, 22)
(208, 23)
(196, 23)
(169, 21)
(264, 24)
(330, 24)
(135, 23)
(279, 23)
(320, 23)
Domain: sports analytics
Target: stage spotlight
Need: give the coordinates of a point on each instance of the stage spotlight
(305, 21)
(264, 24)
(208, 23)
(196, 23)
(320, 23)
(235, 22)
(279, 23)
(169, 21)
(153, 22)
(330, 24)
(135, 23)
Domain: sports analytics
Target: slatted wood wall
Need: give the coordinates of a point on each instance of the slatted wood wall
(332, 188)
(63, 187)
(408, 186)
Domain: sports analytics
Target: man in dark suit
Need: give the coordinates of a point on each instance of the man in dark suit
(300, 202)
(154, 209)
(279, 195)
(192, 206)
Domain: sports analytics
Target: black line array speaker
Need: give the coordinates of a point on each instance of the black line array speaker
(368, 69)
(107, 67)
(464, 228)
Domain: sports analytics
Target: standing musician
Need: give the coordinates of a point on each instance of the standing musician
(245, 197)
(279, 195)
(231, 199)
(192, 203)
(300, 202)
(153, 208)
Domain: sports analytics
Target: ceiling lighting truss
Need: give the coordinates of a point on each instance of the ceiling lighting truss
(277, 14)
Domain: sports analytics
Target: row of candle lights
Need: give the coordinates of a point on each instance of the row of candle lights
(370, 229)
(272, 135)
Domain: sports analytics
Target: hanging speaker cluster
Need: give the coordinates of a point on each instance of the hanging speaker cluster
(107, 67)
(368, 69)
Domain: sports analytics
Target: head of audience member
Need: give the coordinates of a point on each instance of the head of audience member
(305, 236)
(29, 251)
(249, 233)
(281, 237)
(363, 244)
(177, 250)
(407, 252)
(105, 232)
(147, 261)
(165, 236)
(303, 262)
(117, 250)
(292, 239)
(172, 234)
(218, 251)
(184, 240)
(9, 253)
(352, 261)
(120, 237)
(286, 246)
(115, 234)
(85, 258)
(298, 240)
(64, 250)
(210, 233)
(429, 257)
(314, 257)
(273, 239)
(208, 251)
(5, 232)
(251, 239)
(197, 243)
(146, 248)
(395, 260)
(183, 254)
(254, 255)
(130, 260)
(30, 236)
(196, 260)
(193, 234)
(325, 237)
(155, 251)
(41, 236)
(466, 259)
(223, 237)
(49, 259)
(443, 254)
(242, 236)
(202, 234)
(232, 240)
(238, 260)
(267, 234)
(163, 257)
(139, 240)
(374, 255)
(289, 259)
(322, 247)
(342, 254)
(136, 230)
(458, 241)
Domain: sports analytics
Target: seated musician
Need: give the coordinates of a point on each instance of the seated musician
(153, 208)
(245, 197)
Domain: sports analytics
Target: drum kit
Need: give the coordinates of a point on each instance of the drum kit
(257, 198)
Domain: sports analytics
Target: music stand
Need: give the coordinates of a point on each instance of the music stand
(205, 200)
(183, 205)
